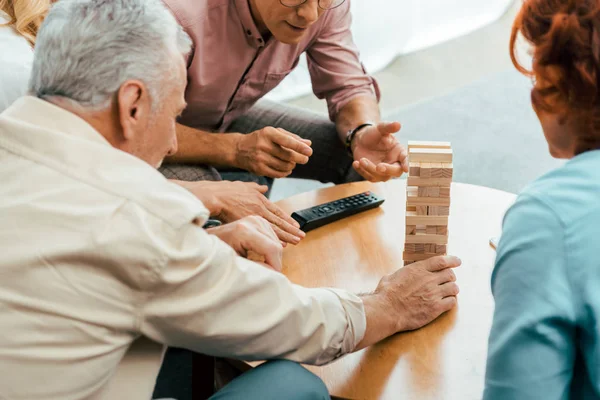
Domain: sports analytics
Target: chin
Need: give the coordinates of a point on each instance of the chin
(288, 39)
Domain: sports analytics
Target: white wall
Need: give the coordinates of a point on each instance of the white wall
(385, 29)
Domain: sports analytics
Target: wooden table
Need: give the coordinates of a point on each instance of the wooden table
(444, 360)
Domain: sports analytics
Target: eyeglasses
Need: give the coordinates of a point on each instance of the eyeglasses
(323, 4)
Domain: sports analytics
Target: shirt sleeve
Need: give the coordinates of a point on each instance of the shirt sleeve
(209, 300)
(532, 342)
(334, 64)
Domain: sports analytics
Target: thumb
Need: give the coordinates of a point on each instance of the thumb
(262, 188)
(388, 128)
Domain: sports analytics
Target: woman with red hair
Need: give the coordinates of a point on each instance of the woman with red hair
(545, 339)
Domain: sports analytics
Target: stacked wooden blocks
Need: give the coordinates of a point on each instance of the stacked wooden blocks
(427, 200)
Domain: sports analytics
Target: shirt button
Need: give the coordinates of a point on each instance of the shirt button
(249, 32)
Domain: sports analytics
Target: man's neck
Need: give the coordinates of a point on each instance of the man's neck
(258, 21)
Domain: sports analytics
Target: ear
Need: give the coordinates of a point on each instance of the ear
(134, 104)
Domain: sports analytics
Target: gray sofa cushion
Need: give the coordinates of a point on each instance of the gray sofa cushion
(496, 136)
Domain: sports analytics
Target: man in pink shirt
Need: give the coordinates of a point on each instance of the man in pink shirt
(241, 50)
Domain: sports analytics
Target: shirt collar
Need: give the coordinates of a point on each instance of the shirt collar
(47, 134)
(253, 35)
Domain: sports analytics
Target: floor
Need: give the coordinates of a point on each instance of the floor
(426, 74)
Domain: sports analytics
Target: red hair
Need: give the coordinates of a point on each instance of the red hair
(565, 35)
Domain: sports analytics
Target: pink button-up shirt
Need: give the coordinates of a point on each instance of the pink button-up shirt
(231, 66)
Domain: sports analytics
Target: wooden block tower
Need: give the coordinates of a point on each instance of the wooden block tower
(427, 200)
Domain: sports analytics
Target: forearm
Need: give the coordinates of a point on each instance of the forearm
(359, 110)
(380, 321)
(200, 147)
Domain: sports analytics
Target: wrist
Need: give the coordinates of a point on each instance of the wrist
(381, 320)
(233, 149)
(351, 137)
(202, 191)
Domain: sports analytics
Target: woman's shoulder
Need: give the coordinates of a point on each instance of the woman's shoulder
(570, 191)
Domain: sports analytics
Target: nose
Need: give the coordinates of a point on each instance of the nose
(309, 11)
(173, 148)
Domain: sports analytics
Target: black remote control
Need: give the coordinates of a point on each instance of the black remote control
(323, 214)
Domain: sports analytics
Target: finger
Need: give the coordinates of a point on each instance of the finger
(403, 158)
(307, 141)
(274, 255)
(368, 166)
(441, 262)
(287, 155)
(286, 228)
(285, 236)
(364, 173)
(286, 139)
(279, 165)
(445, 276)
(262, 247)
(266, 228)
(447, 304)
(261, 188)
(449, 289)
(387, 128)
(391, 170)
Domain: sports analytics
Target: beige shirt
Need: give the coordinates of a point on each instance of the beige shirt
(100, 251)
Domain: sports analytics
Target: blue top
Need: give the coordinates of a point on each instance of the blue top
(545, 339)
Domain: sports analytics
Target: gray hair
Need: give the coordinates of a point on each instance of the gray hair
(86, 49)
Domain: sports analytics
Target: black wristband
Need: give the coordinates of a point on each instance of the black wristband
(350, 136)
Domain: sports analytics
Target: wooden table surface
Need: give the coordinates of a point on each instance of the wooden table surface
(444, 360)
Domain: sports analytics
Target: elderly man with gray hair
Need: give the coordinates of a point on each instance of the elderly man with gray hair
(104, 261)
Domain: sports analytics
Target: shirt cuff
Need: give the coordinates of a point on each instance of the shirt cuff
(357, 320)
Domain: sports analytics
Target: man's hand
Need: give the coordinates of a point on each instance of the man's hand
(378, 156)
(410, 298)
(231, 201)
(252, 234)
(271, 152)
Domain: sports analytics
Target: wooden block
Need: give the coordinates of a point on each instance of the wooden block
(430, 249)
(414, 169)
(444, 192)
(415, 219)
(411, 209)
(409, 247)
(416, 257)
(440, 249)
(441, 230)
(412, 191)
(426, 169)
(428, 145)
(447, 170)
(439, 210)
(432, 239)
(428, 201)
(430, 155)
(418, 181)
(422, 210)
(431, 230)
(419, 248)
(420, 231)
(437, 170)
(427, 191)
(411, 230)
